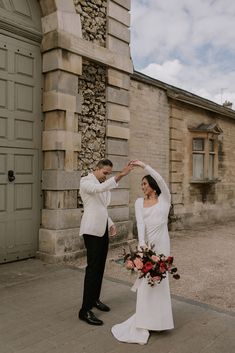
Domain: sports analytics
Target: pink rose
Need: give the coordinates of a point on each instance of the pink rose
(138, 263)
(155, 258)
(129, 264)
(156, 278)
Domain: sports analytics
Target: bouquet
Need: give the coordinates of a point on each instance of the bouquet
(150, 265)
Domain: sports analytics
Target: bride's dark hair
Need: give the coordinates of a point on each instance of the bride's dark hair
(153, 184)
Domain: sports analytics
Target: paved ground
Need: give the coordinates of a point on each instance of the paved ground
(38, 314)
(204, 257)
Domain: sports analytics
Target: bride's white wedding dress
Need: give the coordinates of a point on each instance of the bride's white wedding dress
(153, 304)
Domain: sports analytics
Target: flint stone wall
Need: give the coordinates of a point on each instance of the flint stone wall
(93, 19)
(92, 121)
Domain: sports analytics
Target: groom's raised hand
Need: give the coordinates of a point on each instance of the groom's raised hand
(125, 171)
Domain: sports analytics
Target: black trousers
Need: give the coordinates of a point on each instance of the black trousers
(97, 249)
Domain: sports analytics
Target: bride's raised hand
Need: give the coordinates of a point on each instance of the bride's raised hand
(138, 163)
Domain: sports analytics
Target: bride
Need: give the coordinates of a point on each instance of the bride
(153, 305)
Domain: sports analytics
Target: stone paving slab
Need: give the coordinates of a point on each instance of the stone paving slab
(38, 313)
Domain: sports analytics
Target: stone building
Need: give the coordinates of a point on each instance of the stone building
(68, 98)
(191, 141)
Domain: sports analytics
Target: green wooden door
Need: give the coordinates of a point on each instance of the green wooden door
(20, 136)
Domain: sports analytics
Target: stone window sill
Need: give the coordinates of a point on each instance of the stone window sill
(205, 181)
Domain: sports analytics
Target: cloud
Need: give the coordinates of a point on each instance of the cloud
(168, 72)
(204, 81)
(186, 43)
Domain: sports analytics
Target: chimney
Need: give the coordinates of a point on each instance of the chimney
(227, 104)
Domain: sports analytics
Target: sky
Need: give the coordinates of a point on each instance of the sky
(189, 44)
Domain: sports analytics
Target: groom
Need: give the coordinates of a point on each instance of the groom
(96, 227)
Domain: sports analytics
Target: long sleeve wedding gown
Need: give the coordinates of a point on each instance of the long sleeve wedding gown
(153, 304)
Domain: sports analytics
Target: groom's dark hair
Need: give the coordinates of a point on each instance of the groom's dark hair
(104, 163)
(153, 184)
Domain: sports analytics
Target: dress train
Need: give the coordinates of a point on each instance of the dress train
(129, 333)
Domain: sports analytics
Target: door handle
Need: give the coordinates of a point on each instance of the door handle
(11, 176)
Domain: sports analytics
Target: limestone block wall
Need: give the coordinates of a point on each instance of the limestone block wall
(86, 66)
(195, 203)
(117, 149)
(149, 132)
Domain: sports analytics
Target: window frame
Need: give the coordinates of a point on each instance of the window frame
(198, 152)
(207, 137)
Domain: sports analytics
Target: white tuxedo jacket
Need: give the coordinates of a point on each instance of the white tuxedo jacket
(96, 197)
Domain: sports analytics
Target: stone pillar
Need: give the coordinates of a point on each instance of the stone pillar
(176, 164)
(105, 25)
(61, 141)
(80, 37)
(118, 112)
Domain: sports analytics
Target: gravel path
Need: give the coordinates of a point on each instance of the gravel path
(204, 258)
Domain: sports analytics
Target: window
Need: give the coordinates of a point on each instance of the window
(205, 153)
(211, 170)
(198, 158)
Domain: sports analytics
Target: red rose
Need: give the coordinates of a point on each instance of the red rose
(170, 259)
(147, 267)
(162, 267)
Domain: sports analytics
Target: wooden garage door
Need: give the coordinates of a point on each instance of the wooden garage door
(20, 135)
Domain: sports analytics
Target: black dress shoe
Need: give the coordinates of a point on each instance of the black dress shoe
(90, 318)
(101, 306)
